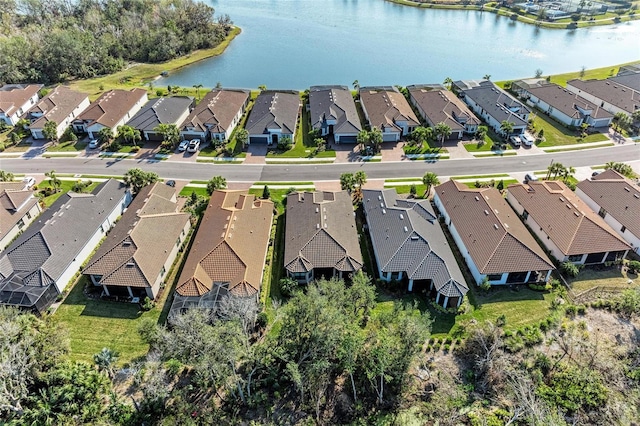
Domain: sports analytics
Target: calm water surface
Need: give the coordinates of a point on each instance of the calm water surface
(298, 43)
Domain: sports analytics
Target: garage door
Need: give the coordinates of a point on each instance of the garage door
(347, 139)
(389, 137)
(258, 139)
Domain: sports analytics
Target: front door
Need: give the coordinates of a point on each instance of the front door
(274, 139)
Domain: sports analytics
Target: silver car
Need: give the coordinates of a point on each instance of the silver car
(527, 139)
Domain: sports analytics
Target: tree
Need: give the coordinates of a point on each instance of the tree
(506, 127)
(105, 135)
(50, 131)
(429, 179)
(14, 138)
(636, 116)
(448, 82)
(197, 87)
(622, 168)
(567, 173)
(138, 179)
(262, 87)
(6, 176)
(375, 139)
(105, 360)
(487, 77)
(266, 193)
(129, 135)
(347, 182)
(242, 137)
(356, 85)
(555, 169)
(53, 180)
(621, 122)
(442, 132)
(216, 182)
(362, 139)
(170, 135)
(481, 133)
(421, 135)
(538, 73)
(360, 178)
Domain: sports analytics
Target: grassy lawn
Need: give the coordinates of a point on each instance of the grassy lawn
(187, 190)
(140, 74)
(578, 148)
(596, 73)
(20, 147)
(303, 146)
(497, 175)
(556, 134)
(68, 146)
(609, 277)
(425, 148)
(65, 186)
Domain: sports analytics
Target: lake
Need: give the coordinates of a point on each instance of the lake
(293, 44)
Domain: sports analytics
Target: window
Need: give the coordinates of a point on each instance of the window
(29, 216)
(575, 258)
(494, 277)
(102, 229)
(162, 271)
(20, 224)
(525, 215)
(624, 228)
(602, 213)
(178, 243)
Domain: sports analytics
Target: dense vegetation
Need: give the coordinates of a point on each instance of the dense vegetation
(50, 41)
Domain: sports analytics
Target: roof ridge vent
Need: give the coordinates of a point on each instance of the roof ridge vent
(495, 225)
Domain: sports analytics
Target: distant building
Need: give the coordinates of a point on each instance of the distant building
(111, 110)
(173, 110)
(409, 246)
(15, 101)
(274, 115)
(62, 105)
(135, 259)
(386, 109)
(321, 239)
(333, 113)
(40, 263)
(18, 208)
(608, 94)
(216, 116)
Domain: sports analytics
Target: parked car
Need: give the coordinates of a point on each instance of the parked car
(28, 182)
(183, 145)
(515, 140)
(171, 183)
(194, 145)
(527, 139)
(530, 177)
(93, 144)
(594, 174)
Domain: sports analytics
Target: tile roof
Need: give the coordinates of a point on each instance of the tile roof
(57, 106)
(138, 246)
(618, 195)
(44, 251)
(14, 202)
(498, 103)
(609, 91)
(161, 111)
(274, 110)
(13, 96)
(111, 107)
(385, 106)
(443, 106)
(491, 231)
(229, 247)
(572, 226)
(407, 237)
(567, 102)
(216, 110)
(334, 103)
(632, 80)
(321, 232)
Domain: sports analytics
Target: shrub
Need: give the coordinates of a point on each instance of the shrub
(540, 287)
(1, 147)
(288, 286)
(571, 310)
(262, 320)
(284, 143)
(486, 285)
(570, 269)
(135, 148)
(147, 304)
(634, 266)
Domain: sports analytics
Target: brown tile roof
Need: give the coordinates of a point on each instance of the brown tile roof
(321, 232)
(230, 245)
(491, 231)
(14, 96)
(111, 106)
(619, 196)
(12, 196)
(385, 106)
(443, 106)
(216, 110)
(139, 245)
(57, 105)
(572, 226)
(567, 102)
(334, 103)
(609, 91)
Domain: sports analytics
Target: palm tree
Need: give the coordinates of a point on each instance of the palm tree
(567, 173)
(506, 127)
(197, 87)
(448, 82)
(105, 361)
(53, 180)
(362, 139)
(6, 176)
(487, 77)
(216, 182)
(262, 87)
(356, 85)
(129, 134)
(429, 179)
(105, 135)
(442, 131)
(360, 178)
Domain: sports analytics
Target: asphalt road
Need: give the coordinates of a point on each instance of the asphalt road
(319, 172)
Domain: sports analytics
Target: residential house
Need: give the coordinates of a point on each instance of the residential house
(616, 199)
(567, 107)
(494, 243)
(227, 256)
(18, 208)
(216, 116)
(62, 105)
(564, 224)
(494, 105)
(43, 260)
(321, 239)
(437, 105)
(274, 115)
(608, 94)
(333, 113)
(111, 110)
(520, 87)
(135, 259)
(409, 246)
(386, 109)
(173, 110)
(15, 101)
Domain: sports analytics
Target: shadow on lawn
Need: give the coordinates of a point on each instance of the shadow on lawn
(503, 294)
(100, 308)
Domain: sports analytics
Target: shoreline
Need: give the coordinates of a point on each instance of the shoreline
(562, 24)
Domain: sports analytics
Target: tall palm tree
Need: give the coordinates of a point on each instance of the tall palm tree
(506, 127)
(197, 87)
(356, 85)
(53, 180)
(567, 173)
(448, 82)
(360, 179)
(430, 179)
(487, 77)
(442, 131)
